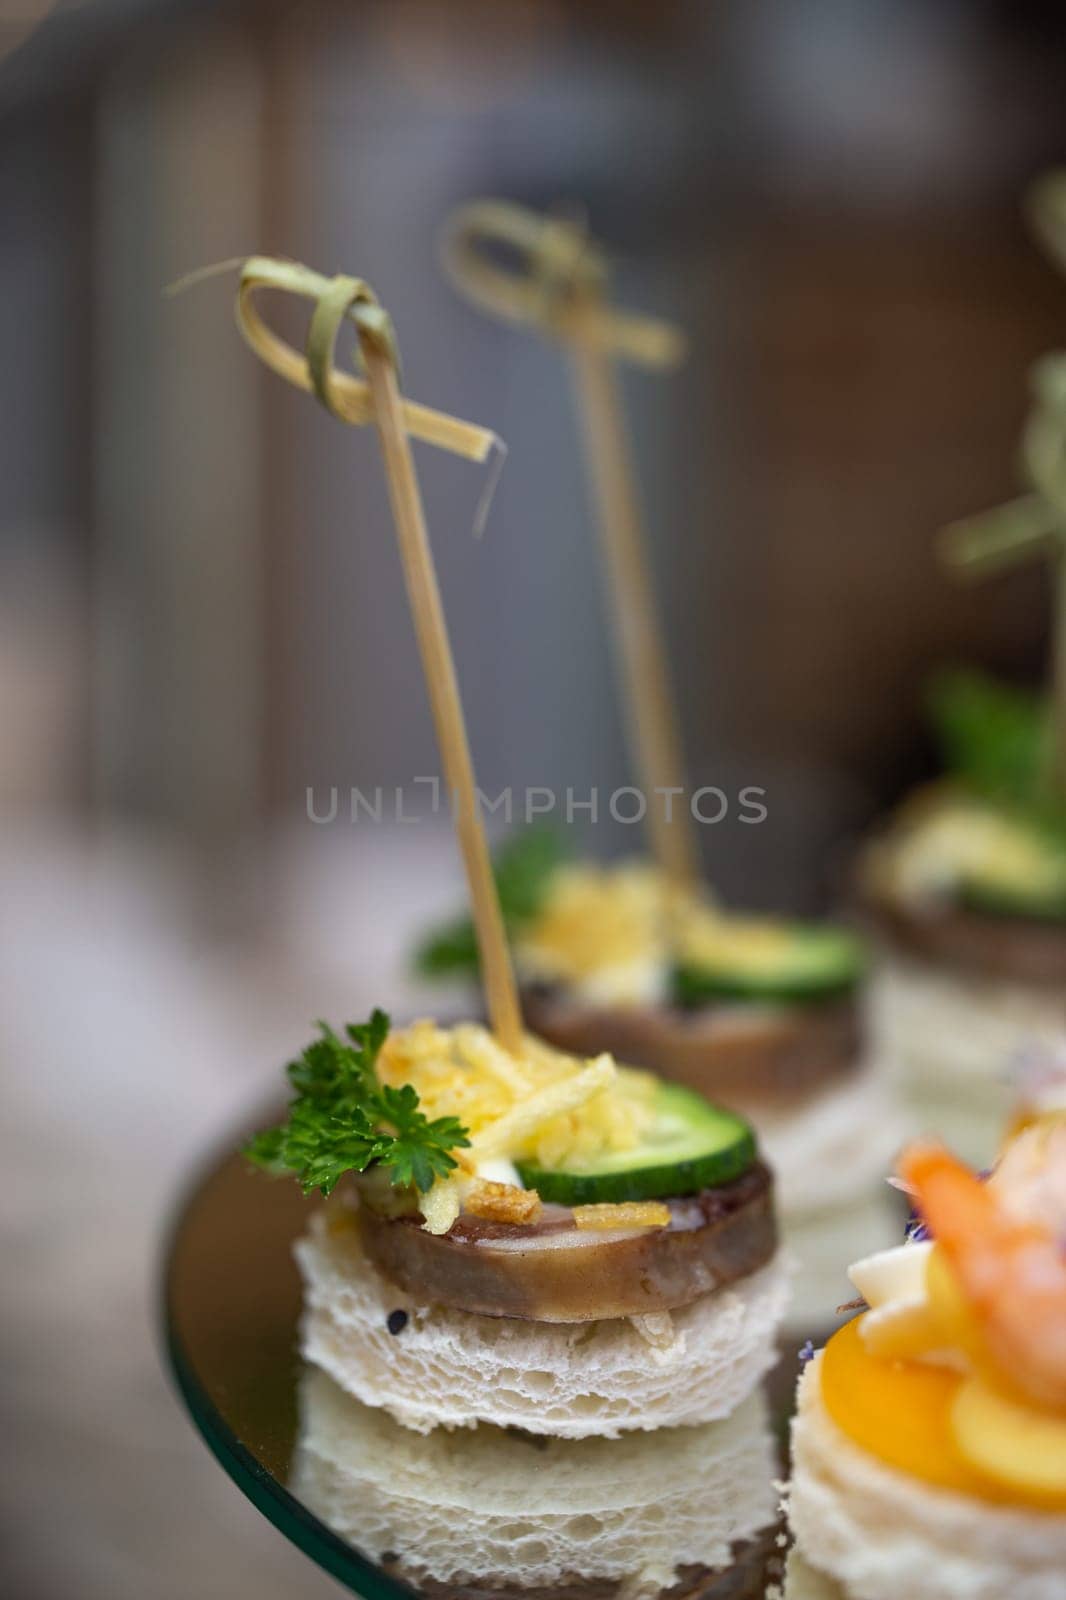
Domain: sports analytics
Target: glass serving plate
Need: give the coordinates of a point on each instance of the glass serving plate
(232, 1300)
(231, 1304)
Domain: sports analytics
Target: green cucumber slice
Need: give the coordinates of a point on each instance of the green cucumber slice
(692, 1145)
(1044, 902)
(783, 963)
(1027, 878)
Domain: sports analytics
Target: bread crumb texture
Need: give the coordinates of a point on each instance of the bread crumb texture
(532, 1511)
(454, 1368)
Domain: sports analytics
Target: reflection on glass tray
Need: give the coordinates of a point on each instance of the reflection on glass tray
(489, 1509)
(472, 1513)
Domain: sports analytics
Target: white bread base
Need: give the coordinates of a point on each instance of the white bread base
(821, 1243)
(454, 1369)
(803, 1582)
(530, 1512)
(885, 1536)
(831, 1157)
(952, 1044)
(834, 1149)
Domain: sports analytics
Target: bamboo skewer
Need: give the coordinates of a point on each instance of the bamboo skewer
(1046, 207)
(438, 665)
(640, 646)
(379, 399)
(561, 293)
(1058, 681)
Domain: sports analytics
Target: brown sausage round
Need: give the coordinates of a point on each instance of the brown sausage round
(747, 1057)
(973, 943)
(552, 1271)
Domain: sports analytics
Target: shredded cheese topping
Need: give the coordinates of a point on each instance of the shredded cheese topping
(503, 1202)
(622, 1214)
(604, 930)
(546, 1107)
(613, 934)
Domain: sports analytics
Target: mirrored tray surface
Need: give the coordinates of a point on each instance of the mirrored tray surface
(383, 1509)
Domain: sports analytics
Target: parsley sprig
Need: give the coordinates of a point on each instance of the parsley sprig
(341, 1119)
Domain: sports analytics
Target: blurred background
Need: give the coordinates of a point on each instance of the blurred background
(201, 609)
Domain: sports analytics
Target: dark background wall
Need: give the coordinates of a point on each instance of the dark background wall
(826, 195)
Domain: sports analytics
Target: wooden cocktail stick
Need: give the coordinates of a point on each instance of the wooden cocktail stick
(378, 399)
(559, 288)
(438, 665)
(641, 648)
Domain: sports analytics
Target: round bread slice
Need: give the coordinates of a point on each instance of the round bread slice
(752, 1566)
(818, 1242)
(883, 1535)
(455, 1368)
(499, 1512)
(952, 1039)
(804, 1582)
(833, 1152)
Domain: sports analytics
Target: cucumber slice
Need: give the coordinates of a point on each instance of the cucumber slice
(757, 959)
(1041, 903)
(1028, 879)
(691, 1146)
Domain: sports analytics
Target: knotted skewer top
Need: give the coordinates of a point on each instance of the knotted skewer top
(1035, 523)
(377, 399)
(557, 281)
(344, 395)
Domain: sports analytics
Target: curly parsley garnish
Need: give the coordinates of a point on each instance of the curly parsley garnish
(341, 1119)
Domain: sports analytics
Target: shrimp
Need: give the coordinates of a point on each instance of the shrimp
(1011, 1272)
(1030, 1176)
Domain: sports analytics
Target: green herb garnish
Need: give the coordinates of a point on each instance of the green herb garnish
(993, 736)
(523, 868)
(995, 740)
(341, 1119)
